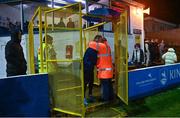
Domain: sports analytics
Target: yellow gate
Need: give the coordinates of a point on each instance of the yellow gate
(121, 57)
(121, 53)
(63, 37)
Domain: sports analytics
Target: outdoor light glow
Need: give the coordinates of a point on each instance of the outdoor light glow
(25, 5)
(59, 1)
(147, 11)
(82, 1)
(49, 5)
(55, 6)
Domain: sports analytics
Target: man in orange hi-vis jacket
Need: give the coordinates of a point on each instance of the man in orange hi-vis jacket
(105, 69)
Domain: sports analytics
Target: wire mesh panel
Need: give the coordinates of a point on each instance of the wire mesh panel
(31, 66)
(37, 62)
(121, 57)
(39, 67)
(63, 52)
(34, 33)
(66, 87)
(88, 35)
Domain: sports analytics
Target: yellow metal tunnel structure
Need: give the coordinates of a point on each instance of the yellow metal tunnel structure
(63, 61)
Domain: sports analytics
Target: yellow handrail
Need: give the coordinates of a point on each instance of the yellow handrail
(35, 14)
(94, 26)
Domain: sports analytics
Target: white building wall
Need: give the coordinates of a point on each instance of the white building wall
(136, 22)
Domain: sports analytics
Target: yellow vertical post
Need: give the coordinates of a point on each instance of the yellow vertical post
(126, 58)
(40, 39)
(45, 30)
(84, 41)
(121, 48)
(115, 25)
(29, 52)
(31, 49)
(31, 43)
(81, 58)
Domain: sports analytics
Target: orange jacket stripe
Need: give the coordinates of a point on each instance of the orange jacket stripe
(104, 63)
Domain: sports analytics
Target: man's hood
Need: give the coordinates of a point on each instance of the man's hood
(14, 36)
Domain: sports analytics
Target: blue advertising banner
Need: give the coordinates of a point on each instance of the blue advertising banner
(146, 81)
(25, 96)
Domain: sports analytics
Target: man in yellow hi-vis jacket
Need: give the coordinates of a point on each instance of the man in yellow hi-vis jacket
(50, 55)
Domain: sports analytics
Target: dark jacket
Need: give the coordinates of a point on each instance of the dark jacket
(16, 63)
(90, 59)
(141, 57)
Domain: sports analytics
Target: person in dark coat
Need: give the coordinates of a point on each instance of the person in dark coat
(89, 60)
(16, 63)
(138, 56)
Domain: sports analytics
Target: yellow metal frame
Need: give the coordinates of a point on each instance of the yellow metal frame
(61, 28)
(90, 28)
(40, 37)
(116, 55)
(65, 60)
(69, 60)
(94, 26)
(38, 14)
(85, 40)
(117, 59)
(31, 67)
(31, 42)
(127, 83)
(75, 87)
(67, 112)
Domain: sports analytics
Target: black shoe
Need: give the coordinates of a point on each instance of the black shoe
(101, 100)
(91, 99)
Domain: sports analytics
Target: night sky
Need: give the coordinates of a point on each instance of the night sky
(168, 10)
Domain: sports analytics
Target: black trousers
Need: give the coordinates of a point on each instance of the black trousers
(138, 64)
(107, 89)
(88, 80)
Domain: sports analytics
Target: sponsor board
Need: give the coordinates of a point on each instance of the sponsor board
(143, 82)
(24, 96)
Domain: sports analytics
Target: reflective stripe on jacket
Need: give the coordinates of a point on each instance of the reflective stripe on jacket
(104, 62)
(44, 59)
